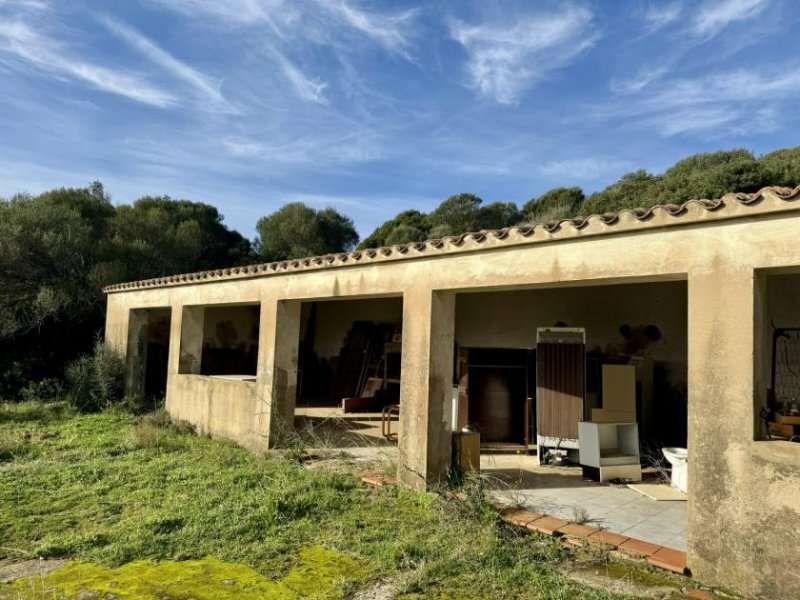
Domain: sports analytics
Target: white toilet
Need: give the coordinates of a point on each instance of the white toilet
(680, 467)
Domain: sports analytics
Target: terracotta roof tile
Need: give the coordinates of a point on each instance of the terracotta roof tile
(604, 224)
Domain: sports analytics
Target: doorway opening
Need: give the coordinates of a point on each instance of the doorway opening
(148, 352)
(349, 371)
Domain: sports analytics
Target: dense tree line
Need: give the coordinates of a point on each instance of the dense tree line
(58, 249)
(706, 175)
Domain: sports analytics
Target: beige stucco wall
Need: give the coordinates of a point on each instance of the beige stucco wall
(335, 318)
(510, 319)
(744, 492)
(243, 318)
(219, 407)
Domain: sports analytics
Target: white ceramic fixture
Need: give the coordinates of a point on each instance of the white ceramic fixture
(677, 458)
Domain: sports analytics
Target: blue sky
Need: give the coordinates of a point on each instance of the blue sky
(374, 107)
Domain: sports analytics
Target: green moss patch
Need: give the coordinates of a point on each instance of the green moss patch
(321, 573)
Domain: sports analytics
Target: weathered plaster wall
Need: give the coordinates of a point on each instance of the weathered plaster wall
(219, 407)
(743, 498)
(335, 318)
(244, 320)
(743, 492)
(509, 319)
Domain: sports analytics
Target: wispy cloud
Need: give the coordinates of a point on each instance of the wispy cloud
(325, 149)
(318, 21)
(26, 4)
(504, 59)
(391, 30)
(730, 103)
(644, 78)
(289, 30)
(19, 41)
(243, 12)
(584, 169)
(661, 14)
(307, 88)
(243, 147)
(200, 82)
(714, 15)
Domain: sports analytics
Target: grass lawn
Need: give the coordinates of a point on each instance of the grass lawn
(125, 497)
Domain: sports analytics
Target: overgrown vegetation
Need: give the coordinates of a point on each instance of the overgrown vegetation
(96, 380)
(57, 251)
(90, 487)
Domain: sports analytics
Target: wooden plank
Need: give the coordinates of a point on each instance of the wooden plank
(787, 419)
(781, 429)
(361, 404)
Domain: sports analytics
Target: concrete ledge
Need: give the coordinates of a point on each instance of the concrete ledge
(778, 451)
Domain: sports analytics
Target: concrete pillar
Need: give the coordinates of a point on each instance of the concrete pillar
(191, 340)
(278, 343)
(116, 330)
(426, 387)
(175, 326)
(721, 362)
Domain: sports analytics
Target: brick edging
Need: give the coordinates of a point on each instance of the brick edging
(656, 555)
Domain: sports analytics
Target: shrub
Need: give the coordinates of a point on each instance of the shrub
(161, 419)
(13, 376)
(147, 435)
(48, 388)
(97, 380)
(157, 430)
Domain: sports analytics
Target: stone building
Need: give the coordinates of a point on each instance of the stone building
(717, 280)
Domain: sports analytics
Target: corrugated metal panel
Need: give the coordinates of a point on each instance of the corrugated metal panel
(560, 373)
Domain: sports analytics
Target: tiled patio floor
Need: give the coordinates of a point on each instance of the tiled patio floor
(519, 479)
(562, 492)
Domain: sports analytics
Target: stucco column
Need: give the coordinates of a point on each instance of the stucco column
(722, 333)
(116, 330)
(278, 343)
(175, 325)
(426, 387)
